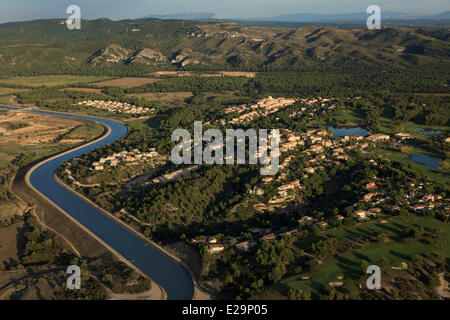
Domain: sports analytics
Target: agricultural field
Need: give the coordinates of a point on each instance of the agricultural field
(163, 97)
(9, 248)
(173, 98)
(224, 98)
(21, 132)
(125, 82)
(91, 90)
(8, 100)
(50, 81)
(8, 91)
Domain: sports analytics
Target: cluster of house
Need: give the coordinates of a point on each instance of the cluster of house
(376, 197)
(211, 242)
(115, 106)
(263, 234)
(425, 203)
(125, 156)
(263, 107)
(316, 141)
(373, 199)
(319, 146)
(429, 202)
(269, 105)
(314, 106)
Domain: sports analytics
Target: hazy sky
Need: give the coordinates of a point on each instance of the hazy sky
(19, 10)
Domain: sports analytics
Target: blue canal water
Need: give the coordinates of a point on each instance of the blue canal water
(432, 163)
(427, 132)
(166, 272)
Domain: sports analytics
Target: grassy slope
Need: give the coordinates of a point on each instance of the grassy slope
(348, 264)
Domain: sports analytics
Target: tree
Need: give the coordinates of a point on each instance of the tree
(277, 273)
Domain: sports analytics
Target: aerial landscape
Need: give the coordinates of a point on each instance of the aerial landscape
(352, 202)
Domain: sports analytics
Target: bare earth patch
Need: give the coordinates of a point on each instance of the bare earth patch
(8, 247)
(444, 289)
(237, 74)
(40, 128)
(10, 209)
(173, 73)
(214, 74)
(336, 284)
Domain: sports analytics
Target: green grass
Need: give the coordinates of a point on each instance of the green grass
(52, 80)
(9, 152)
(350, 115)
(348, 264)
(225, 98)
(9, 91)
(6, 100)
(86, 129)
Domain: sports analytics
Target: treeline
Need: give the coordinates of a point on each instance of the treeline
(216, 189)
(331, 83)
(122, 279)
(245, 274)
(194, 84)
(361, 82)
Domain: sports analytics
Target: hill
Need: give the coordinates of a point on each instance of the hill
(141, 46)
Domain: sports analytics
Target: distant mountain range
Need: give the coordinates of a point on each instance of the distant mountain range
(359, 16)
(184, 16)
(308, 17)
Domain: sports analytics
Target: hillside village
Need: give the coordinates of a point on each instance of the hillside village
(323, 152)
(261, 108)
(245, 113)
(127, 157)
(119, 159)
(377, 201)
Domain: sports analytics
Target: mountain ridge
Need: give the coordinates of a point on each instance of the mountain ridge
(148, 44)
(305, 17)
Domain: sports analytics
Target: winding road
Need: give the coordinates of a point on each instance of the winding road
(169, 274)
